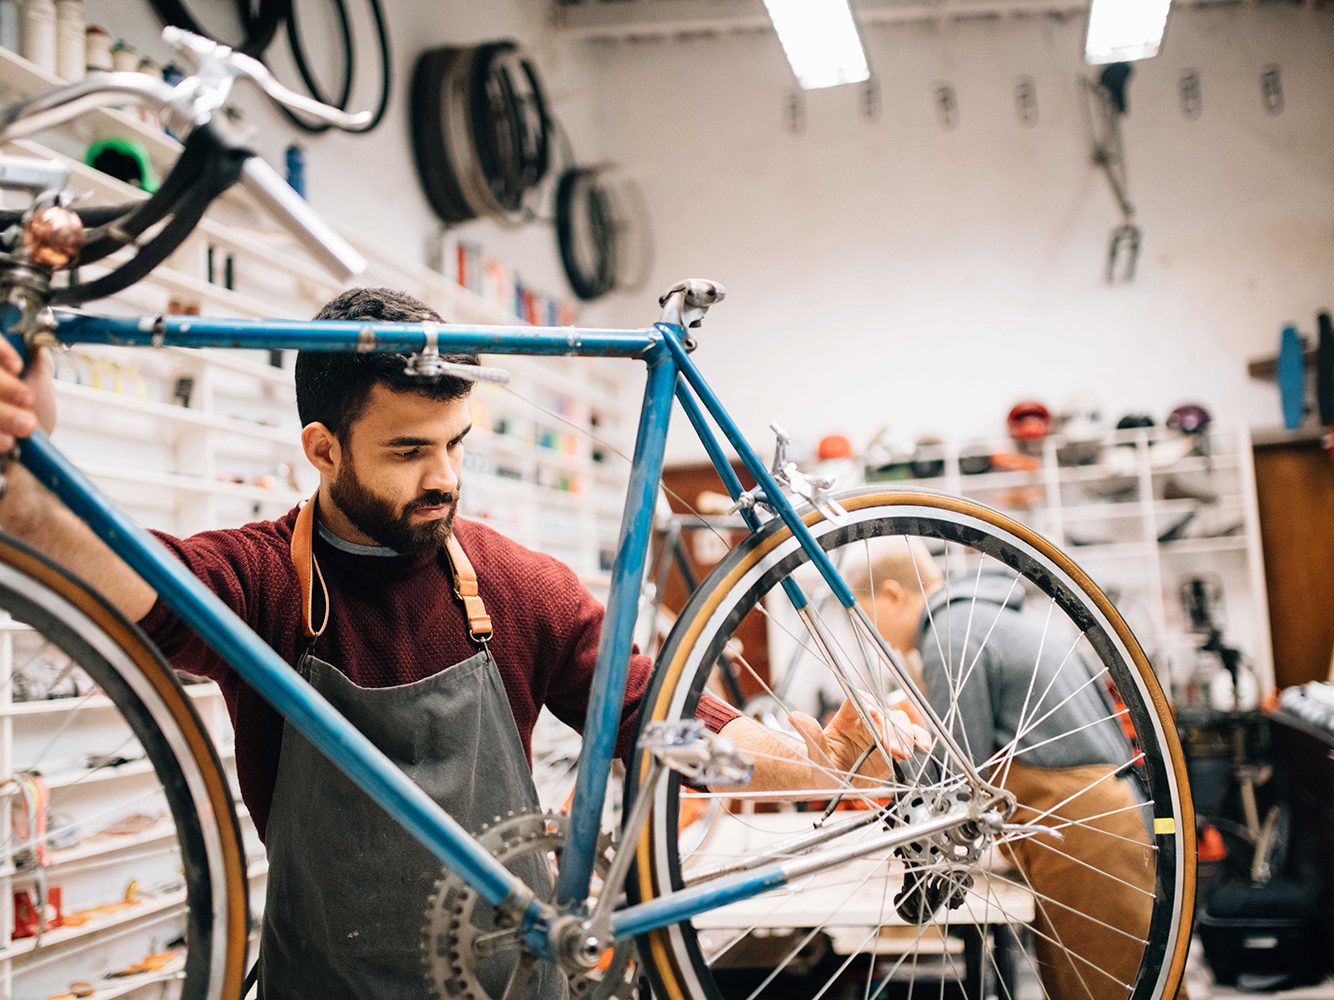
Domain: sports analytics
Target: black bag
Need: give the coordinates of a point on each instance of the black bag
(1263, 929)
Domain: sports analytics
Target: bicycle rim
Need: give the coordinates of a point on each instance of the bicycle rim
(691, 959)
(130, 766)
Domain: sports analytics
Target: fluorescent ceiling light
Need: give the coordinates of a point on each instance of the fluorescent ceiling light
(820, 40)
(1124, 30)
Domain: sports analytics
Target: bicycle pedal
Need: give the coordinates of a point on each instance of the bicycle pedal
(699, 755)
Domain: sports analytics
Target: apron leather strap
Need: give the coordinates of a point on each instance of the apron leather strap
(465, 589)
(308, 571)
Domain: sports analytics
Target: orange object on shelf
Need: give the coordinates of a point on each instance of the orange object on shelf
(1211, 847)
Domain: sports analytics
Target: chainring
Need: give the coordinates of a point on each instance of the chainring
(452, 940)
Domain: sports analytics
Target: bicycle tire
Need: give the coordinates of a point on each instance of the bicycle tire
(260, 25)
(345, 89)
(674, 956)
(128, 669)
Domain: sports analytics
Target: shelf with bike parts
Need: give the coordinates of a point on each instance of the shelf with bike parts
(1148, 511)
(92, 858)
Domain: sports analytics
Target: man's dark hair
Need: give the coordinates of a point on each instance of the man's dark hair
(332, 386)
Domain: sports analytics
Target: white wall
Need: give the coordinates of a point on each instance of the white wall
(368, 183)
(896, 272)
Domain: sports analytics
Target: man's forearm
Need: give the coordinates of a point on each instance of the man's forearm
(780, 761)
(782, 764)
(36, 517)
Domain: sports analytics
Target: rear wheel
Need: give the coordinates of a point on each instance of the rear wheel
(141, 836)
(1056, 702)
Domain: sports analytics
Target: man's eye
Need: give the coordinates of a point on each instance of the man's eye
(410, 453)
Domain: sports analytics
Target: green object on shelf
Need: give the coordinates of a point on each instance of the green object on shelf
(124, 159)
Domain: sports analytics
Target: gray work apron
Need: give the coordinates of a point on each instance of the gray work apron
(348, 886)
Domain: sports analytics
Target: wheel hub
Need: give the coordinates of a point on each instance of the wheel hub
(936, 865)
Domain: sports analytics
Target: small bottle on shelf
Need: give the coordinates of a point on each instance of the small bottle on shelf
(37, 33)
(71, 39)
(124, 59)
(97, 49)
(9, 25)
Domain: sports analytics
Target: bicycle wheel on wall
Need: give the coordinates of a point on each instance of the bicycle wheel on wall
(119, 775)
(1087, 891)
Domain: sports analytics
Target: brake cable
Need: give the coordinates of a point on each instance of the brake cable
(223, 164)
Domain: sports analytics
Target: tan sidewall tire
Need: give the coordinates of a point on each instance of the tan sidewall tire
(170, 694)
(656, 947)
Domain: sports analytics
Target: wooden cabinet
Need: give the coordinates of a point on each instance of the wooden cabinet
(1295, 486)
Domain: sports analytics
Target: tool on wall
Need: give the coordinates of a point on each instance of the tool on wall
(794, 112)
(1192, 99)
(871, 99)
(947, 105)
(1026, 100)
(1271, 89)
(1106, 105)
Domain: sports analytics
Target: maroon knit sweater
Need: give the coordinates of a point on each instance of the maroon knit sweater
(395, 620)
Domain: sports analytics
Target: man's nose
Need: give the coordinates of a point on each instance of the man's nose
(441, 477)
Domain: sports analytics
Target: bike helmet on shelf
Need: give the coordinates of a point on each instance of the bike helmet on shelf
(1189, 418)
(928, 458)
(833, 446)
(1028, 420)
(975, 460)
(1131, 421)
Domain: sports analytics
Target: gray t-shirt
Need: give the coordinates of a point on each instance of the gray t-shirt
(989, 689)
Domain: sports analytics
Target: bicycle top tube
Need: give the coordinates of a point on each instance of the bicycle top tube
(342, 335)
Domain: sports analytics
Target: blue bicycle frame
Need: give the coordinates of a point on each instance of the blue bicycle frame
(672, 376)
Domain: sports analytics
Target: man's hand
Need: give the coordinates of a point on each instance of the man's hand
(783, 765)
(26, 402)
(840, 745)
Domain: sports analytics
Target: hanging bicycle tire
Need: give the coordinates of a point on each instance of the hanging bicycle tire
(585, 233)
(602, 232)
(136, 709)
(259, 25)
(479, 128)
(1101, 911)
(347, 40)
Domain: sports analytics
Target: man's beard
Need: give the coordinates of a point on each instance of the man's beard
(377, 517)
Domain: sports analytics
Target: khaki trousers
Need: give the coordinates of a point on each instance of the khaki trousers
(1079, 902)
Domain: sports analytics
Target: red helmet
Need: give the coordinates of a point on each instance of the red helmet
(1029, 420)
(833, 446)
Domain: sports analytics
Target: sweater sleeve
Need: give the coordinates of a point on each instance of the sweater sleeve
(571, 685)
(224, 562)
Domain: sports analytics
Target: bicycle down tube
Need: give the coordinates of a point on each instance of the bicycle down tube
(272, 678)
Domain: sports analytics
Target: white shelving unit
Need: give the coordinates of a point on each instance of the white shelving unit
(1135, 521)
(230, 456)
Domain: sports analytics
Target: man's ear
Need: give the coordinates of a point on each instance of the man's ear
(894, 590)
(322, 449)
